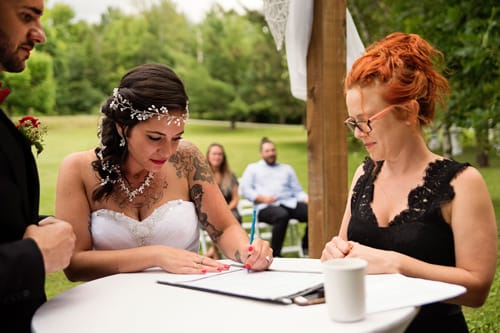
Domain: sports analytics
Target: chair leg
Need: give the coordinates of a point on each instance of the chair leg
(294, 239)
(203, 242)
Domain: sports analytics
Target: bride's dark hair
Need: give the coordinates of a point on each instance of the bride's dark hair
(143, 87)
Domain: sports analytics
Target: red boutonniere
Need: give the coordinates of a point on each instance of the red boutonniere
(33, 130)
(3, 93)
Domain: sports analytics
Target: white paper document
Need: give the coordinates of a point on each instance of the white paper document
(290, 277)
(273, 285)
(392, 291)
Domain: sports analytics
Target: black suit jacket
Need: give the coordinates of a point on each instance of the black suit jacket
(22, 274)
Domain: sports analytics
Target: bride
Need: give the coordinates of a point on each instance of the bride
(138, 199)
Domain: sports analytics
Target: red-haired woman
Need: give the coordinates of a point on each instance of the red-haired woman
(411, 211)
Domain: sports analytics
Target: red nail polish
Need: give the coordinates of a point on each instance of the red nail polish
(250, 248)
(226, 266)
(203, 271)
(220, 268)
(247, 266)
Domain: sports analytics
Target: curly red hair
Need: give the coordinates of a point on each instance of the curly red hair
(405, 65)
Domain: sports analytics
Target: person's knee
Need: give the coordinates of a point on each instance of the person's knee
(275, 216)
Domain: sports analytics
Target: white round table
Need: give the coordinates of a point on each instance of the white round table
(135, 302)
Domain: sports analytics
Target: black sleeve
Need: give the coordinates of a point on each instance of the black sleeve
(22, 271)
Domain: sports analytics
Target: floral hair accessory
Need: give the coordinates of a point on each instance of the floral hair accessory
(121, 103)
(33, 131)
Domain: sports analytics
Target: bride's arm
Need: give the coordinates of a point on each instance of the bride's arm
(214, 214)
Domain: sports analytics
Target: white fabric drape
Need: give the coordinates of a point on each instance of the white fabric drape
(297, 37)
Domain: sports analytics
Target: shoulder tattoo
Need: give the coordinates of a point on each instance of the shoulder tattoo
(189, 161)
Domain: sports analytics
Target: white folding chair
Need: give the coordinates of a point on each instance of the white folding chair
(292, 237)
(245, 208)
(263, 230)
(205, 242)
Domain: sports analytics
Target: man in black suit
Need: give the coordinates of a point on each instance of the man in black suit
(29, 248)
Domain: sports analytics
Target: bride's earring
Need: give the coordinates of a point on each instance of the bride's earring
(122, 142)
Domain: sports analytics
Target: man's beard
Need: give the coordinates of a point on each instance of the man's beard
(10, 62)
(270, 160)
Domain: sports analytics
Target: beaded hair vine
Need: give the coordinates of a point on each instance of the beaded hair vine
(122, 104)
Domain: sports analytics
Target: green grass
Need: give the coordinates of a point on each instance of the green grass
(69, 134)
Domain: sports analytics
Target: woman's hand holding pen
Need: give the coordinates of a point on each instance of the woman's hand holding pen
(259, 255)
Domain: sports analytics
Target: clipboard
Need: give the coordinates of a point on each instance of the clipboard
(281, 287)
(315, 297)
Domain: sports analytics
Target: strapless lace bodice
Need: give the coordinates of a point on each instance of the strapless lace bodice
(173, 224)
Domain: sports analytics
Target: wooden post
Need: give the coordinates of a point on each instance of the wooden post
(326, 134)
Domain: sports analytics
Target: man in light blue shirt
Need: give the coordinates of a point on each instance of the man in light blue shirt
(276, 193)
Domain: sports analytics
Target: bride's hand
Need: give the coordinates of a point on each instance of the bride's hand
(180, 261)
(259, 255)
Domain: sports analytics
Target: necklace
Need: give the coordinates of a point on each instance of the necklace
(132, 194)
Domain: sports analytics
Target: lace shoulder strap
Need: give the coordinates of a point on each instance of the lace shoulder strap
(365, 181)
(436, 189)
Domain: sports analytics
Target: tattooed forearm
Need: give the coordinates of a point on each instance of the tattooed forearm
(196, 193)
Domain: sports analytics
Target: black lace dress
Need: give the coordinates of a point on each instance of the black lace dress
(419, 231)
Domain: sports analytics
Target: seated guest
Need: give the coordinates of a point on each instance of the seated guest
(224, 177)
(277, 194)
(228, 184)
(411, 211)
(138, 199)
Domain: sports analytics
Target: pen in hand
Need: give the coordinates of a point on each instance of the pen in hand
(252, 232)
(252, 228)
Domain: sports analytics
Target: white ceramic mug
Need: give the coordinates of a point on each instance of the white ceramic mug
(344, 280)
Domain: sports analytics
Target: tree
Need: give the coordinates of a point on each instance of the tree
(33, 90)
(227, 43)
(475, 65)
(239, 52)
(68, 43)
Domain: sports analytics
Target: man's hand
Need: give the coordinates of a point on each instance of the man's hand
(56, 241)
(266, 200)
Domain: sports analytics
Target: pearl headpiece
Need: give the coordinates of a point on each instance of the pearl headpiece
(122, 104)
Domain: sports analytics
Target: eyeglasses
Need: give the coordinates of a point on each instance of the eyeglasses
(365, 125)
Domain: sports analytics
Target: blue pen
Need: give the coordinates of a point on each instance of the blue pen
(252, 229)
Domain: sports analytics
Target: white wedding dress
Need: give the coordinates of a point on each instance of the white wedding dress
(173, 224)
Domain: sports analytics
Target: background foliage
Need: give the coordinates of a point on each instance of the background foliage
(229, 62)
